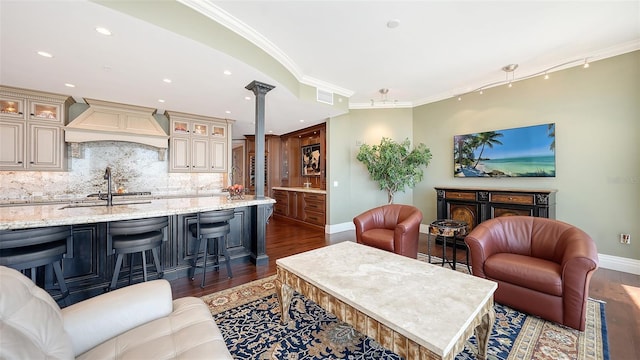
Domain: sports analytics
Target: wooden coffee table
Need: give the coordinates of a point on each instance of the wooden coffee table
(415, 309)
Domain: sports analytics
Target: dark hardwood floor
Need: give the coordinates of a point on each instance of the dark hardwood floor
(621, 291)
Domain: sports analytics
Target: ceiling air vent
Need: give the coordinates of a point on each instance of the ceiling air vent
(324, 96)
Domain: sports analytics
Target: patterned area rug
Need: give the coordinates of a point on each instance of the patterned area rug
(249, 318)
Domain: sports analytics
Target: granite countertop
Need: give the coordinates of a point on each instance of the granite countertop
(24, 216)
(300, 189)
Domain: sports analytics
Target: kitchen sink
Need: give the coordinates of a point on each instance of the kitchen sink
(84, 205)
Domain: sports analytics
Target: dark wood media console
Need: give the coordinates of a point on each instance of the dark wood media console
(475, 205)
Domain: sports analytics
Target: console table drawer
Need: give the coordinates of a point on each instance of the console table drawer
(460, 195)
(512, 199)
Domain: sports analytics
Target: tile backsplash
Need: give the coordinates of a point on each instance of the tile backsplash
(134, 168)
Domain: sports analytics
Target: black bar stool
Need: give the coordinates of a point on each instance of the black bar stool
(133, 236)
(211, 225)
(24, 249)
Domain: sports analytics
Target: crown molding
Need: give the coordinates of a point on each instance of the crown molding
(217, 14)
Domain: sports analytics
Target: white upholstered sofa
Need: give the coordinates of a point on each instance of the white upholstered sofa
(136, 322)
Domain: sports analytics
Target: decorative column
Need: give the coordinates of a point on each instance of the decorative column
(260, 90)
(262, 212)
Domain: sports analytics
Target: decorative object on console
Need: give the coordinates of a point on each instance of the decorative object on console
(395, 165)
(518, 152)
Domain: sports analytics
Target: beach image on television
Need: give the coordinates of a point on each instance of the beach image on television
(518, 152)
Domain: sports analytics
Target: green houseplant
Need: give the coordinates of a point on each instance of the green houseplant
(395, 165)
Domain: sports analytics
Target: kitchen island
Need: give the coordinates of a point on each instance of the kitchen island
(89, 264)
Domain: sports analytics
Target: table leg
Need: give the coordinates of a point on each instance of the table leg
(285, 294)
(429, 247)
(455, 248)
(483, 333)
(444, 250)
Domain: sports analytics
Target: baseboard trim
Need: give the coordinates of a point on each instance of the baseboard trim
(332, 229)
(618, 263)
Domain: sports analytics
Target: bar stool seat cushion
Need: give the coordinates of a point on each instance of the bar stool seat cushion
(137, 242)
(135, 322)
(216, 229)
(32, 256)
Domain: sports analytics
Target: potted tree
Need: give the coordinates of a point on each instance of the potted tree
(395, 165)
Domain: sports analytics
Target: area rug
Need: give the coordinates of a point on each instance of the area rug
(249, 318)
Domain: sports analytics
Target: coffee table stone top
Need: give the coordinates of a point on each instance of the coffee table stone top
(428, 304)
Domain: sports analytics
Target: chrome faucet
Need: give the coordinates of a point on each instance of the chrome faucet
(107, 176)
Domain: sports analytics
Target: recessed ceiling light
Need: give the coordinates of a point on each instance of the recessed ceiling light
(69, 85)
(45, 54)
(392, 24)
(228, 111)
(161, 100)
(270, 131)
(103, 31)
(301, 120)
(247, 97)
(168, 81)
(227, 72)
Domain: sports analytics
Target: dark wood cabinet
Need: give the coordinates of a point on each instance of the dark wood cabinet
(300, 205)
(475, 205)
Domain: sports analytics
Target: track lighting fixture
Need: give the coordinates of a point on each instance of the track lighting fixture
(511, 68)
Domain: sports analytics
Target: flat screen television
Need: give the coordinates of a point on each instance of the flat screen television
(517, 152)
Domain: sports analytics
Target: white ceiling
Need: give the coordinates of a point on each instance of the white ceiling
(440, 49)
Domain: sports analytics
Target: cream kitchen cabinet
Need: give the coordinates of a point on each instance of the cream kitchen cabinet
(198, 143)
(31, 130)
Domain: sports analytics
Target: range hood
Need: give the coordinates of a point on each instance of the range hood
(108, 121)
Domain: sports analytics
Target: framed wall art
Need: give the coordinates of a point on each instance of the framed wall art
(518, 152)
(311, 160)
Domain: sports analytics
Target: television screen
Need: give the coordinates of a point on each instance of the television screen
(518, 152)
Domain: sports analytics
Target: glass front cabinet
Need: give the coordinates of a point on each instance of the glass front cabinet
(31, 129)
(198, 143)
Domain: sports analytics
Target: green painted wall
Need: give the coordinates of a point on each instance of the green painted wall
(597, 117)
(356, 192)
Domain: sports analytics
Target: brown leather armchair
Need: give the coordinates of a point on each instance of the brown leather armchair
(542, 266)
(392, 227)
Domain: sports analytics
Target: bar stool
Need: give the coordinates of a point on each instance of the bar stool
(133, 236)
(24, 249)
(211, 225)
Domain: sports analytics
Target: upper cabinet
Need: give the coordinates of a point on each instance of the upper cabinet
(198, 143)
(31, 130)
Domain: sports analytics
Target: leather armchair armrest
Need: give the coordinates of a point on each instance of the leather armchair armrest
(482, 243)
(367, 221)
(579, 261)
(93, 321)
(406, 235)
